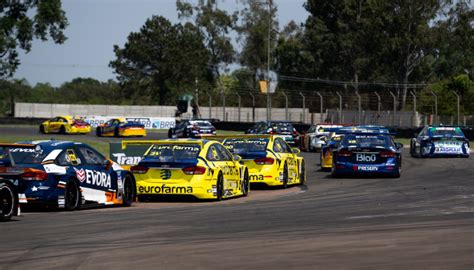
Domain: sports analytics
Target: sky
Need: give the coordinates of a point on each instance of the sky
(96, 25)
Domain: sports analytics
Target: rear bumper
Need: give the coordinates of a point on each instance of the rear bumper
(206, 190)
(75, 130)
(133, 132)
(348, 168)
(265, 174)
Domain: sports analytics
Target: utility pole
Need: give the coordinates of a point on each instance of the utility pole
(435, 120)
(269, 105)
(320, 106)
(304, 108)
(286, 105)
(458, 101)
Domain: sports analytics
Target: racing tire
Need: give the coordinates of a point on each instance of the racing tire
(220, 188)
(41, 129)
(8, 202)
(116, 132)
(128, 196)
(303, 174)
(72, 196)
(170, 133)
(246, 184)
(285, 176)
(62, 130)
(98, 132)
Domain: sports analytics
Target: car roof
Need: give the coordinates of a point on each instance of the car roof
(52, 144)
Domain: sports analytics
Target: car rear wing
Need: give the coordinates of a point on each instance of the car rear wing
(19, 145)
(161, 142)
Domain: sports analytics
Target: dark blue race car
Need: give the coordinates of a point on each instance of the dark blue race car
(440, 141)
(361, 154)
(65, 174)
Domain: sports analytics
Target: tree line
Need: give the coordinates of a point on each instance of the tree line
(352, 45)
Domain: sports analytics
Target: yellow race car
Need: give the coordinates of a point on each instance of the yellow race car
(200, 168)
(120, 127)
(65, 125)
(269, 159)
(326, 151)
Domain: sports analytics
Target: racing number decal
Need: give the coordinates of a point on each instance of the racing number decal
(71, 157)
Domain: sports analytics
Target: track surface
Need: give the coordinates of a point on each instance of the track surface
(424, 220)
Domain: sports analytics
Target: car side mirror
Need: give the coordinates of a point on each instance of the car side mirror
(295, 150)
(237, 158)
(107, 163)
(398, 145)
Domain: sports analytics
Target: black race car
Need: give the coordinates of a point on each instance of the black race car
(192, 129)
(285, 129)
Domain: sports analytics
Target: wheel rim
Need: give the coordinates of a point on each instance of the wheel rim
(72, 195)
(245, 184)
(7, 201)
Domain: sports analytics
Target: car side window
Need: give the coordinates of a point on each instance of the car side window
(312, 129)
(91, 157)
(286, 148)
(212, 153)
(277, 146)
(223, 153)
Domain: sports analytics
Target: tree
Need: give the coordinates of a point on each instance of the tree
(214, 25)
(258, 18)
(158, 57)
(18, 28)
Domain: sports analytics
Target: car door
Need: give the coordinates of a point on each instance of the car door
(233, 173)
(54, 124)
(107, 126)
(217, 159)
(180, 129)
(287, 155)
(95, 174)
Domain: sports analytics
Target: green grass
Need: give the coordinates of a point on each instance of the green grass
(102, 147)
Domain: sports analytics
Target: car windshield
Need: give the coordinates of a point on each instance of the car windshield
(444, 132)
(22, 155)
(175, 153)
(366, 140)
(201, 123)
(243, 146)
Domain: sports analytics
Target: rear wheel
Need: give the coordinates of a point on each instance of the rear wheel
(98, 132)
(62, 130)
(285, 176)
(128, 190)
(220, 188)
(246, 184)
(8, 202)
(302, 174)
(116, 132)
(72, 196)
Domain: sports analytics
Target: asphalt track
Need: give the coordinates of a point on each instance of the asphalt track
(423, 220)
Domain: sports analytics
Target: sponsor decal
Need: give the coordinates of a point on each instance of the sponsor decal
(165, 174)
(164, 189)
(95, 178)
(148, 122)
(256, 177)
(365, 158)
(368, 168)
(80, 174)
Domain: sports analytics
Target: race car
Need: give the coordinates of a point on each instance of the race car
(315, 137)
(189, 167)
(337, 134)
(326, 152)
(65, 125)
(435, 141)
(367, 153)
(192, 129)
(64, 174)
(269, 159)
(120, 127)
(8, 198)
(285, 129)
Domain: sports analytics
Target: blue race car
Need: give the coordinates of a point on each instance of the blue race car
(367, 154)
(440, 141)
(65, 174)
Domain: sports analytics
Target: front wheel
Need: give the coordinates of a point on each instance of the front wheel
(8, 202)
(285, 176)
(72, 196)
(62, 130)
(98, 132)
(42, 130)
(128, 195)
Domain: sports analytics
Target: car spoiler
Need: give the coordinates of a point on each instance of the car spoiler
(157, 142)
(358, 132)
(237, 136)
(20, 145)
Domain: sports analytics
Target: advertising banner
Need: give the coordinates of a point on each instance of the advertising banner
(129, 156)
(148, 122)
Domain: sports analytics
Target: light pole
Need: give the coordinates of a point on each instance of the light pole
(269, 106)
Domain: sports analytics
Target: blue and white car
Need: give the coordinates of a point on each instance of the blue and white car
(440, 141)
(65, 174)
(362, 154)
